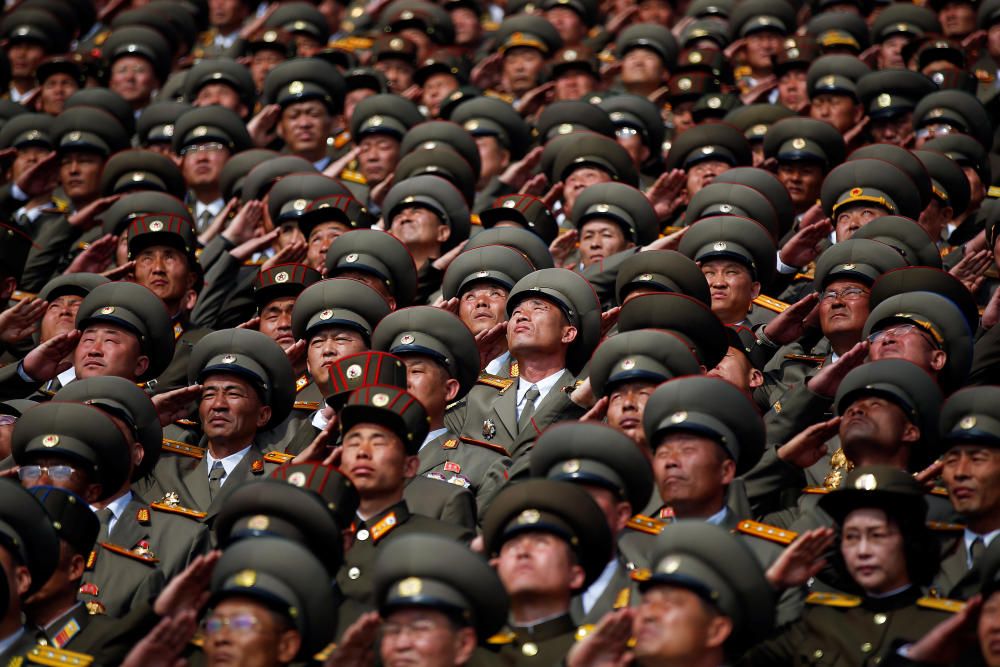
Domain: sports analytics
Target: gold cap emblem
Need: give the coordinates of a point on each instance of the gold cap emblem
(671, 565)
(483, 274)
(380, 400)
(296, 87)
(695, 57)
(246, 578)
(866, 482)
(714, 102)
(409, 587)
(229, 359)
(406, 339)
(156, 226)
(350, 259)
(281, 277)
(719, 246)
(884, 100)
(646, 276)
(50, 440)
(353, 371)
(199, 131)
(107, 310)
(396, 44)
(967, 422)
(798, 143)
(326, 314)
(259, 522)
(300, 204)
(678, 417)
(529, 516)
(628, 364)
(571, 466)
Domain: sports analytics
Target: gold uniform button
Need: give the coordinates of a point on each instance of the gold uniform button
(880, 619)
(818, 653)
(866, 647)
(354, 573)
(530, 649)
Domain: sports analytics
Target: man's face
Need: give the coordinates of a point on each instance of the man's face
(165, 271)
(416, 226)
(330, 343)
(25, 158)
(692, 473)
(910, 342)
(107, 349)
(702, 174)
(493, 157)
(626, 403)
(993, 40)
(642, 67)
(601, 238)
(634, 144)
(421, 637)
(375, 461)
(230, 409)
(522, 68)
(655, 11)
(398, 72)
(840, 111)
(792, 89)
(872, 426)
(843, 308)
(732, 288)
(737, 370)
(80, 174)
(276, 321)
(201, 164)
(223, 95)
(467, 26)
(226, 14)
(483, 306)
(872, 547)
(694, 627)
(378, 158)
(538, 564)
(430, 384)
(262, 62)
(320, 238)
(53, 473)
(242, 631)
(568, 24)
(436, 88)
(988, 630)
(894, 130)
(760, 46)
(579, 180)
(891, 52)
(55, 90)
(538, 325)
(574, 84)
(934, 218)
(134, 79)
(853, 217)
(958, 19)
(354, 97)
(803, 181)
(24, 58)
(304, 126)
(972, 475)
(60, 316)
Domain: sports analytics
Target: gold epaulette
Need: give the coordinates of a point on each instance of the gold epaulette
(771, 303)
(352, 176)
(253, 262)
(641, 574)
(502, 638)
(62, 205)
(742, 71)
(306, 405)
(938, 491)
(122, 551)
(481, 443)
(198, 640)
(833, 599)
(811, 358)
(583, 631)
(646, 524)
(278, 457)
(944, 527)
(475, 220)
(509, 99)
(984, 76)
(767, 532)
(325, 653)
(667, 231)
(57, 657)
(342, 140)
(495, 381)
(994, 191)
(606, 56)
(177, 509)
(18, 295)
(178, 447)
(354, 43)
(489, 26)
(101, 37)
(190, 423)
(820, 490)
(623, 598)
(941, 604)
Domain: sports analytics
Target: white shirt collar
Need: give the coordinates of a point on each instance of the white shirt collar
(544, 387)
(30, 213)
(213, 207)
(117, 507)
(496, 365)
(323, 163)
(318, 420)
(9, 641)
(970, 537)
(436, 433)
(718, 517)
(67, 376)
(596, 589)
(228, 463)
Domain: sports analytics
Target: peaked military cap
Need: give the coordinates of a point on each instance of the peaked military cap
(988, 14)
(568, 116)
(71, 65)
(360, 370)
(289, 199)
(384, 114)
(727, 236)
(234, 172)
(972, 416)
(965, 150)
(527, 30)
(426, 570)
(117, 217)
(28, 24)
(709, 28)
(889, 92)
(432, 159)
(651, 36)
(648, 355)
(526, 211)
(141, 41)
(903, 18)
(435, 194)
(575, 298)
(81, 433)
(378, 253)
(154, 229)
(575, 59)
(757, 15)
(488, 116)
(274, 508)
(365, 78)
(435, 333)
(78, 284)
(717, 199)
(684, 315)
(332, 486)
(958, 109)
(715, 105)
(211, 124)
(902, 159)
(339, 302)
(690, 86)
(525, 242)
(156, 122)
(905, 236)
(71, 516)
(394, 46)
(431, 134)
(123, 399)
(27, 129)
(862, 260)
(255, 357)
(259, 568)
(835, 74)
(428, 17)
(767, 184)
(26, 531)
(135, 308)
(661, 271)
(261, 179)
(870, 181)
(559, 508)
(89, 129)
(594, 453)
(805, 139)
(283, 280)
(718, 567)
(220, 70)
(797, 53)
(596, 151)
(142, 170)
(927, 279)
(14, 251)
(303, 79)
(300, 17)
(638, 113)
(108, 101)
(839, 30)
(623, 204)
(342, 209)
(716, 141)
(280, 42)
(391, 407)
(441, 62)
(496, 264)
(948, 182)
(710, 407)
(755, 120)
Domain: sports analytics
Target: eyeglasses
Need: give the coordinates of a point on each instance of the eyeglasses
(626, 132)
(239, 623)
(210, 147)
(7, 420)
(899, 331)
(33, 473)
(846, 294)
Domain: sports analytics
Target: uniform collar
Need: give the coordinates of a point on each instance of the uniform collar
(554, 626)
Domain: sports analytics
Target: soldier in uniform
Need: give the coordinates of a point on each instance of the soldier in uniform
(833, 91)
(378, 125)
(137, 60)
(30, 135)
(377, 259)
(523, 43)
(647, 51)
(706, 151)
(859, 191)
(522, 212)
(220, 81)
(612, 218)
(806, 150)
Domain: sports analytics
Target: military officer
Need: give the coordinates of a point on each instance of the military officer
(706, 151)
(861, 190)
(833, 90)
(378, 125)
(523, 42)
(523, 211)
(586, 159)
(889, 97)
(611, 218)
(220, 81)
(30, 134)
(379, 260)
(806, 150)
(137, 59)
(683, 315)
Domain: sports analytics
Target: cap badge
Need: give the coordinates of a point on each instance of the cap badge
(510, 203)
(671, 565)
(410, 587)
(714, 102)
(967, 422)
(628, 364)
(259, 522)
(684, 84)
(857, 192)
(299, 204)
(570, 55)
(678, 417)
(156, 226)
(50, 440)
(695, 57)
(571, 466)
(792, 53)
(229, 359)
(529, 516)
(107, 310)
(380, 400)
(934, 113)
(884, 100)
(270, 36)
(719, 245)
(471, 125)
(565, 128)
(798, 143)
(281, 277)
(246, 578)
(199, 131)
(297, 478)
(828, 80)
(74, 136)
(353, 371)
(406, 16)
(725, 208)
(168, 130)
(483, 274)
(296, 87)
(848, 267)
(396, 44)
(138, 176)
(707, 150)
(375, 121)
(489, 429)
(350, 259)
(326, 314)
(866, 482)
(406, 339)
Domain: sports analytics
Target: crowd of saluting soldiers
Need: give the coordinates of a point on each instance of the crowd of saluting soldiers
(510, 333)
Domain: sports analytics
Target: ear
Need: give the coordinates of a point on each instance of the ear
(451, 389)
(728, 471)
(576, 577)
(911, 433)
(77, 566)
(141, 365)
(754, 289)
(7, 287)
(569, 334)
(138, 454)
(859, 113)
(190, 298)
(623, 512)
(443, 232)
(22, 580)
(263, 416)
(643, 153)
(288, 646)
(718, 631)
(410, 467)
(938, 359)
(465, 644)
(504, 157)
(756, 378)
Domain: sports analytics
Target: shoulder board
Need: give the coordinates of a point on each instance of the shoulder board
(198, 640)
(816, 490)
(509, 99)
(474, 219)
(833, 599)
(122, 551)
(177, 509)
(278, 457)
(178, 447)
(353, 177)
(641, 574)
(480, 443)
(101, 37)
(939, 491)
(583, 631)
(606, 57)
(325, 653)
(645, 524)
(50, 655)
(342, 44)
(187, 422)
(62, 205)
(490, 26)
(941, 604)
(743, 70)
(450, 443)
(502, 638)
(253, 262)
(770, 303)
(623, 598)
(983, 76)
(668, 230)
(767, 532)
(306, 405)
(806, 275)
(994, 191)
(943, 527)
(18, 295)
(342, 139)
(495, 381)
(811, 358)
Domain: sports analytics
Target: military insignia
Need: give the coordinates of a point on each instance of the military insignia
(833, 599)
(380, 400)
(296, 87)
(142, 516)
(75, 136)
(139, 552)
(50, 655)
(529, 516)
(451, 466)
(678, 417)
(489, 429)
(257, 467)
(410, 587)
(460, 480)
(530, 649)
(967, 423)
(450, 443)
(89, 589)
(764, 531)
(667, 513)
(138, 176)
(719, 246)
(571, 466)
(628, 364)
(798, 143)
(483, 274)
(156, 226)
(857, 192)
(66, 633)
(684, 84)
(178, 447)
(515, 370)
(297, 478)
(884, 100)
(707, 150)
(670, 565)
(406, 339)
(326, 314)
(94, 608)
(50, 440)
(245, 578)
(645, 277)
(353, 371)
(142, 549)
(281, 277)
(229, 359)
(384, 526)
(714, 102)
(301, 383)
(602, 208)
(565, 128)
(91, 559)
(178, 330)
(171, 503)
(866, 482)
(622, 599)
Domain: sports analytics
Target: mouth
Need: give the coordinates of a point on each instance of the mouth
(628, 424)
(362, 471)
(867, 570)
(961, 492)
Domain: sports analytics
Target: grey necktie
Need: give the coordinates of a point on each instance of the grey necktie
(528, 410)
(104, 516)
(204, 219)
(977, 550)
(215, 476)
